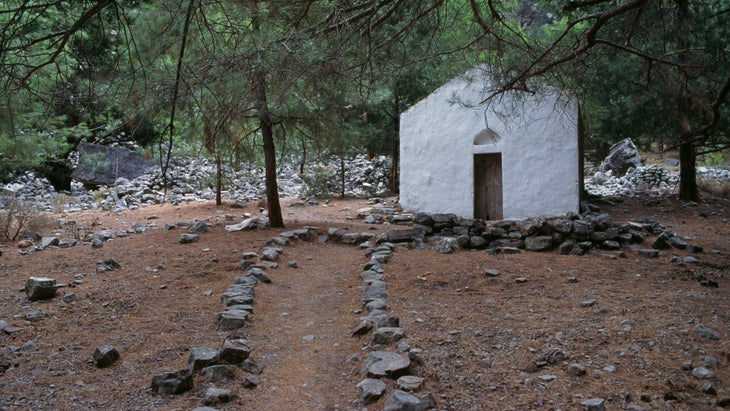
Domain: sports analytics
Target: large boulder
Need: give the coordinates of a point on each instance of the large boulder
(621, 156)
(102, 165)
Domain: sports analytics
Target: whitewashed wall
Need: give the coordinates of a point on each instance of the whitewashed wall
(539, 146)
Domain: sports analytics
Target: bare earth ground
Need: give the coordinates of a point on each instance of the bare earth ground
(479, 337)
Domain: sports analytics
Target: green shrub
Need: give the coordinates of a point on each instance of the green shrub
(14, 217)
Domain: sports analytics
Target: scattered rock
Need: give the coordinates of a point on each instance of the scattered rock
(251, 382)
(402, 401)
(199, 227)
(410, 383)
(40, 288)
(387, 335)
(706, 332)
(386, 364)
(371, 390)
(576, 370)
(107, 265)
(105, 355)
(187, 238)
(201, 357)
(217, 396)
(172, 382)
(703, 373)
(491, 272)
(235, 350)
(218, 373)
(593, 404)
(252, 367)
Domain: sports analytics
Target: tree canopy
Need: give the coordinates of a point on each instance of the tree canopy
(258, 80)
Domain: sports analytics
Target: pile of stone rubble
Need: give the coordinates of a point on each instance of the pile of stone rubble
(194, 180)
(644, 180)
(622, 173)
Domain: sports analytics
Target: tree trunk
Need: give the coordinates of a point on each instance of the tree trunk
(267, 134)
(342, 173)
(687, 151)
(687, 173)
(304, 156)
(259, 91)
(395, 148)
(218, 180)
(582, 134)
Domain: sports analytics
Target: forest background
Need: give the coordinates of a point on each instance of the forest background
(259, 82)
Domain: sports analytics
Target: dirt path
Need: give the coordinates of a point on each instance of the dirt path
(301, 331)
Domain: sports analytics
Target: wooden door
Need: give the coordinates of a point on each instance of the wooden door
(488, 186)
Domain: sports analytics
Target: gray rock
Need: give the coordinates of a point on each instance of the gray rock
(563, 226)
(218, 373)
(588, 303)
(538, 243)
(386, 364)
(232, 318)
(703, 373)
(706, 332)
(648, 252)
(34, 315)
(593, 404)
(582, 228)
(217, 396)
(570, 248)
(410, 383)
(446, 245)
(376, 289)
(707, 388)
(204, 409)
(172, 382)
(49, 242)
(40, 288)
(252, 367)
(690, 260)
(270, 254)
(370, 276)
(107, 265)
(621, 157)
(96, 243)
(105, 355)
(371, 390)
(387, 335)
(376, 304)
(555, 355)
(199, 227)
(403, 236)
(235, 350)
(201, 357)
(383, 320)
(103, 165)
(259, 274)
(491, 272)
(710, 362)
(363, 327)
(251, 381)
(245, 265)
(249, 255)
(403, 401)
(187, 238)
(576, 369)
